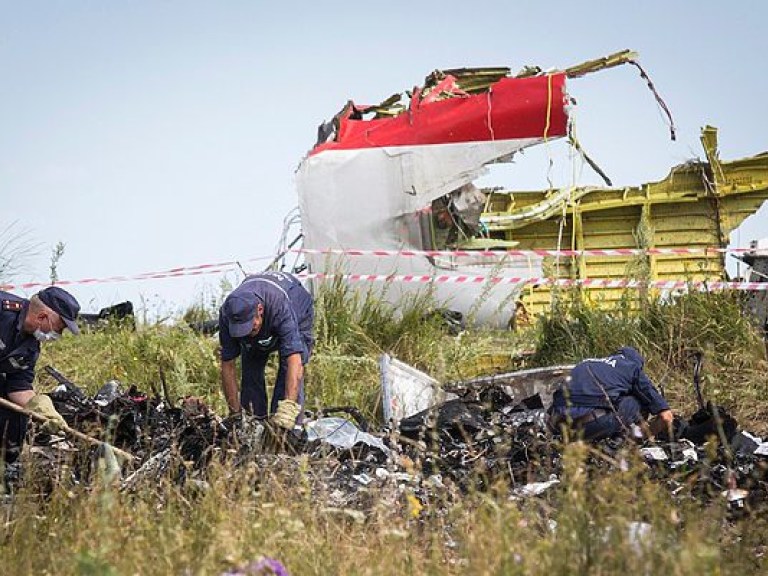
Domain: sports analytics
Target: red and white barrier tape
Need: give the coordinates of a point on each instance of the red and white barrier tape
(513, 252)
(220, 267)
(173, 273)
(565, 282)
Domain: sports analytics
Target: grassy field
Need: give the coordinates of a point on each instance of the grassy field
(612, 522)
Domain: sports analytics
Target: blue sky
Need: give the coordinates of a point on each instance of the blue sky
(147, 135)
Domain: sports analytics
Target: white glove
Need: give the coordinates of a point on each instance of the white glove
(287, 412)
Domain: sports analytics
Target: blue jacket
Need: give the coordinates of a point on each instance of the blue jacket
(600, 382)
(18, 351)
(288, 316)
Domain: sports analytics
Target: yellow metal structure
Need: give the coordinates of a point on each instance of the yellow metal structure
(696, 206)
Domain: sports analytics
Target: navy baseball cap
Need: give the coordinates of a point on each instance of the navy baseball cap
(632, 355)
(239, 309)
(63, 303)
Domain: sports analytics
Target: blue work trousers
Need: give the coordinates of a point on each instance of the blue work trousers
(614, 423)
(253, 389)
(13, 429)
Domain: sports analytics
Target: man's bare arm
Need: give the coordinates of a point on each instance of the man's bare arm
(662, 422)
(293, 375)
(21, 398)
(229, 385)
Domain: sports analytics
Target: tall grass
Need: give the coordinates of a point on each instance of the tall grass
(353, 328)
(668, 329)
(612, 520)
(147, 357)
(667, 332)
(615, 522)
(351, 322)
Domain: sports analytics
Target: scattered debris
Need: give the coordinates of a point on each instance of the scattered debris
(406, 390)
(534, 488)
(341, 433)
(492, 429)
(122, 313)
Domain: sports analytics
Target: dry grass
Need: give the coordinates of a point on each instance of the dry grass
(583, 526)
(590, 524)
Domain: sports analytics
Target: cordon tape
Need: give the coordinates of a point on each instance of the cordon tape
(220, 267)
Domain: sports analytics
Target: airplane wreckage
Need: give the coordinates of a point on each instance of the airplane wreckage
(388, 193)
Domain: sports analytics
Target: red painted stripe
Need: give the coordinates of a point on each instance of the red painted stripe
(513, 108)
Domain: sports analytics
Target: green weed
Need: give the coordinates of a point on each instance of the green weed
(613, 521)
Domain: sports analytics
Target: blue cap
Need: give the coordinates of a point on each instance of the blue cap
(63, 303)
(632, 355)
(239, 310)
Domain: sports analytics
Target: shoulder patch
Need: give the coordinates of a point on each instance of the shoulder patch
(12, 305)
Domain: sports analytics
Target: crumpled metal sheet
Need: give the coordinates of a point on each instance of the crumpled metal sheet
(435, 456)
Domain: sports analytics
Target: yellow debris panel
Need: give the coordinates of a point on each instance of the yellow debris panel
(696, 206)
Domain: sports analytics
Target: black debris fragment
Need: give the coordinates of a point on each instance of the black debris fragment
(121, 314)
(490, 432)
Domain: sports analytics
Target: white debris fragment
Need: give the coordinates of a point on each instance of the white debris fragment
(638, 534)
(654, 453)
(341, 433)
(533, 489)
(363, 478)
(436, 480)
(735, 494)
(688, 453)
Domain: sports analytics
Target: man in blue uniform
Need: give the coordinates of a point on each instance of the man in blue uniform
(268, 312)
(605, 396)
(24, 324)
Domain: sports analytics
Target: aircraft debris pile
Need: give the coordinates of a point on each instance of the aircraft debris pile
(121, 313)
(418, 163)
(467, 442)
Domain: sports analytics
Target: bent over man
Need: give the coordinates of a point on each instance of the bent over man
(268, 312)
(605, 396)
(24, 324)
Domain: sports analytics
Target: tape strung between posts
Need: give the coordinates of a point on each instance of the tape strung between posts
(191, 271)
(219, 267)
(447, 279)
(565, 282)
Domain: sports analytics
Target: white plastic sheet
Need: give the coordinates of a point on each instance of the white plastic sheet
(406, 390)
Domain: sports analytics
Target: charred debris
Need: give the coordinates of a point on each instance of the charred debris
(121, 314)
(482, 431)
